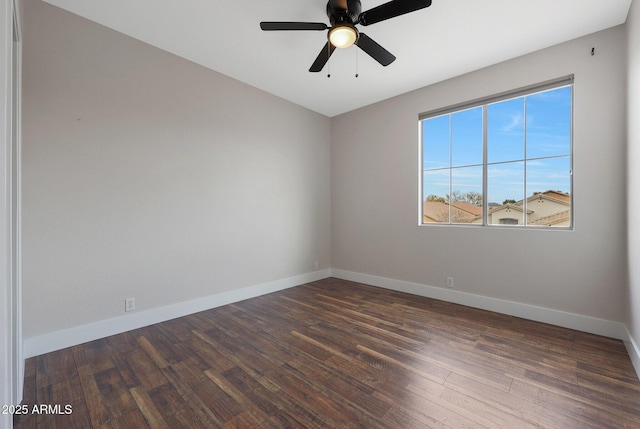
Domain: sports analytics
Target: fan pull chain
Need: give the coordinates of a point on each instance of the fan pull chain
(357, 49)
(328, 60)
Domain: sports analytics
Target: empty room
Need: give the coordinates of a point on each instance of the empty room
(353, 213)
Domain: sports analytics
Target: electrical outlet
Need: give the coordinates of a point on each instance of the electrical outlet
(450, 282)
(315, 265)
(129, 304)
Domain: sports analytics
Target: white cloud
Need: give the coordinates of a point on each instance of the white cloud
(516, 121)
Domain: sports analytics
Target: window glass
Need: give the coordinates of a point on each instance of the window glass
(549, 185)
(505, 131)
(437, 184)
(466, 137)
(549, 123)
(466, 195)
(436, 143)
(505, 184)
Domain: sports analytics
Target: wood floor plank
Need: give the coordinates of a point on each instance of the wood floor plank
(137, 368)
(96, 407)
(182, 377)
(252, 390)
(353, 394)
(162, 346)
(114, 393)
(177, 330)
(67, 393)
(129, 420)
(623, 404)
(581, 412)
(324, 345)
(468, 410)
(55, 367)
(251, 412)
(208, 357)
(153, 353)
(430, 372)
(148, 409)
(121, 343)
(95, 354)
(318, 410)
(433, 414)
(521, 408)
(398, 419)
(338, 354)
(173, 407)
(476, 410)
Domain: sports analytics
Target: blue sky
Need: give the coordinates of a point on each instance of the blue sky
(455, 141)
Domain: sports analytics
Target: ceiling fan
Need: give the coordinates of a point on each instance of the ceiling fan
(344, 15)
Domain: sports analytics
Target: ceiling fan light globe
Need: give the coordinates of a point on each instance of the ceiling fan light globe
(343, 36)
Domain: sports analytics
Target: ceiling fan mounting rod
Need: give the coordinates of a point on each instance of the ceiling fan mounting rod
(341, 11)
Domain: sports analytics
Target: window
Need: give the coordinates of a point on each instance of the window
(504, 160)
(508, 221)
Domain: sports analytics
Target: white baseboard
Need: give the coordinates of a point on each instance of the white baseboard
(578, 322)
(633, 350)
(57, 340)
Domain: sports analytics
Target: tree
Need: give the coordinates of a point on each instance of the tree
(469, 197)
(435, 198)
(505, 202)
(473, 198)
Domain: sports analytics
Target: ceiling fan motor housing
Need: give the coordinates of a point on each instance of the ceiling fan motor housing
(343, 11)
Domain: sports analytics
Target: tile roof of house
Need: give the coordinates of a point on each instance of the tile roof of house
(557, 196)
(468, 207)
(436, 211)
(553, 219)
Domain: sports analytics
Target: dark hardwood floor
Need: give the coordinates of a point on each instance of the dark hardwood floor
(337, 354)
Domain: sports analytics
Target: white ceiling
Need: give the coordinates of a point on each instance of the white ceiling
(449, 38)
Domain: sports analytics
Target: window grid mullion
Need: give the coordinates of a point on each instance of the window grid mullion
(485, 166)
(450, 166)
(525, 218)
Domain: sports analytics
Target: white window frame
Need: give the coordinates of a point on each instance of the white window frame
(484, 102)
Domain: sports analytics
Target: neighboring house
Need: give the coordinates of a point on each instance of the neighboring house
(549, 208)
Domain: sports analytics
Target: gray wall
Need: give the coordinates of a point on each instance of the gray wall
(375, 192)
(633, 160)
(148, 176)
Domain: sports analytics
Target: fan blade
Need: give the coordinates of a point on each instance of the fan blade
(323, 57)
(391, 10)
(374, 50)
(292, 26)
